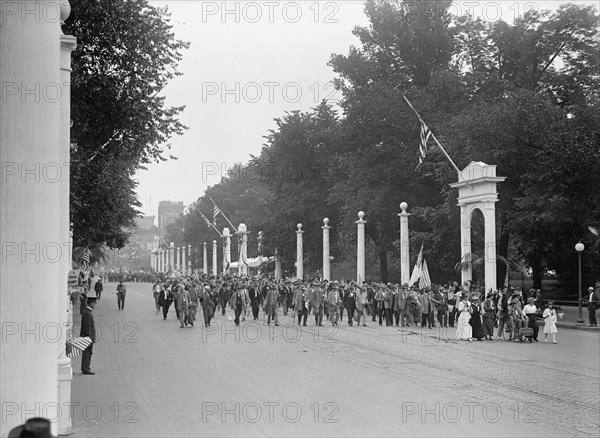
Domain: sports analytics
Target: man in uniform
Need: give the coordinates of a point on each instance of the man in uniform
(88, 328)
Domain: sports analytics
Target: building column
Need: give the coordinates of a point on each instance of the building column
(299, 253)
(172, 257)
(227, 255)
(214, 259)
(489, 252)
(183, 263)
(189, 260)
(68, 43)
(277, 265)
(404, 245)
(204, 259)
(360, 248)
(242, 266)
(465, 238)
(326, 260)
(33, 229)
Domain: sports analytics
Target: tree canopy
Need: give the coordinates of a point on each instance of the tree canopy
(522, 96)
(126, 53)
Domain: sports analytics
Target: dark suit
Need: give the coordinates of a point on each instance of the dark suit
(165, 299)
(254, 301)
(88, 328)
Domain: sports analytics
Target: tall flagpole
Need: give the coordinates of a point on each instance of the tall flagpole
(434, 138)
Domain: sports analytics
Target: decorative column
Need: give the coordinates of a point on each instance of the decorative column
(183, 263)
(33, 229)
(360, 248)
(189, 260)
(159, 270)
(277, 265)
(242, 266)
(172, 257)
(227, 237)
(404, 245)
(68, 43)
(489, 252)
(326, 260)
(204, 259)
(214, 258)
(299, 253)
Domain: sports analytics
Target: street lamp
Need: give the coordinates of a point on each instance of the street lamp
(579, 247)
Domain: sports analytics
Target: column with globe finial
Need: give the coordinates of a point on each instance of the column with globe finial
(360, 248)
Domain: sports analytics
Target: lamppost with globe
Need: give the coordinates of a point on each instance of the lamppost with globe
(579, 247)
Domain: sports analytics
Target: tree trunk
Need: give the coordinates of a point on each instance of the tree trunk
(537, 275)
(383, 266)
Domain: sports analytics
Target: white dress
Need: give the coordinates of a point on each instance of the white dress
(550, 321)
(463, 328)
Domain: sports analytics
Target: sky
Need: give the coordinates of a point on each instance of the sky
(248, 63)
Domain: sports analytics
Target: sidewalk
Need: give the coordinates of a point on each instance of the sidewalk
(569, 319)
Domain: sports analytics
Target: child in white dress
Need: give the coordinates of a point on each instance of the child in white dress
(549, 316)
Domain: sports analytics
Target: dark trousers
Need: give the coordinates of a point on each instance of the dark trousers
(341, 313)
(396, 314)
(255, 310)
(388, 316)
(425, 320)
(223, 306)
(592, 314)
(208, 314)
(121, 301)
(443, 317)
(302, 313)
(86, 359)
(380, 314)
(451, 316)
(238, 312)
(284, 303)
(532, 323)
(351, 310)
(271, 314)
(165, 308)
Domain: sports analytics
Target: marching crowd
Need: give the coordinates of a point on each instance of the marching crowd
(510, 315)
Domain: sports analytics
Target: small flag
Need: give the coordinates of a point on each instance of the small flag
(425, 134)
(75, 347)
(216, 212)
(85, 259)
(416, 273)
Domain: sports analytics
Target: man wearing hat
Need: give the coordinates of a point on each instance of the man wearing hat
(37, 427)
(237, 302)
(271, 304)
(333, 297)
(593, 301)
(302, 301)
(88, 328)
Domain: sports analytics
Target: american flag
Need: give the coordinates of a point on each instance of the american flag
(75, 347)
(85, 259)
(425, 280)
(216, 212)
(425, 134)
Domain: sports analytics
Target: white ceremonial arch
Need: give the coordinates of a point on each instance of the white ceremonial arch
(477, 191)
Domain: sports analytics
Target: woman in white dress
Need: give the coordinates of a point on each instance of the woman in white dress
(463, 328)
(549, 316)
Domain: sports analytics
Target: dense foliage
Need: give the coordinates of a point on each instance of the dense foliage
(522, 96)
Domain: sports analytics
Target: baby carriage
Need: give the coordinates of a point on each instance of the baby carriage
(526, 333)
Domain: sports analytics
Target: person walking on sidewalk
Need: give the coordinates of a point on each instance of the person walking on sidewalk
(98, 288)
(121, 292)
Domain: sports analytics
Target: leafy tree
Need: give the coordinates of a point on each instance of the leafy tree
(126, 54)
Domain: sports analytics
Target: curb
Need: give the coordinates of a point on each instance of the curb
(577, 327)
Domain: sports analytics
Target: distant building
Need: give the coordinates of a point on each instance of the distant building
(145, 222)
(168, 211)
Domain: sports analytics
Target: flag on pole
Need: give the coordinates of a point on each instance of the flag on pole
(425, 134)
(75, 347)
(425, 280)
(85, 260)
(416, 273)
(216, 212)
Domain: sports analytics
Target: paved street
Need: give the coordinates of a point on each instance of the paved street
(155, 379)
